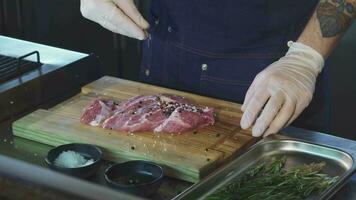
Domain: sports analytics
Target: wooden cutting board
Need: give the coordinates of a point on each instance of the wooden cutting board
(189, 156)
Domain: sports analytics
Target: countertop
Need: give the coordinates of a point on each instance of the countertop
(34, 153)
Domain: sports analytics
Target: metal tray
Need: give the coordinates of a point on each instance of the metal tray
(338, 163)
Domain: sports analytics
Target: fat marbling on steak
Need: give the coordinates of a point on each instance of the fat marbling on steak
(158, 113)
(98, 111)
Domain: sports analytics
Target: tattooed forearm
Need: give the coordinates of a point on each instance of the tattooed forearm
(335, 16)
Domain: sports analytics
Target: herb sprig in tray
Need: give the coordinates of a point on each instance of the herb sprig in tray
(270, 180)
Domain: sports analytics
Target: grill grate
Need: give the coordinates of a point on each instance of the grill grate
(11, 67)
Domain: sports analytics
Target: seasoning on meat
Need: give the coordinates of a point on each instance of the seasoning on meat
(158, 113)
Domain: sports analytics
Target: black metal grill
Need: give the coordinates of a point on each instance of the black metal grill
(11, 67)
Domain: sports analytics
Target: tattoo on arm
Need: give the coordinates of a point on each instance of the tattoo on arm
(335, 16)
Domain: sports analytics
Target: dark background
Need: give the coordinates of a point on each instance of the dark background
(59, 23)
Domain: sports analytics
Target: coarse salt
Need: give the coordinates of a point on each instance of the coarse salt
(72, 159)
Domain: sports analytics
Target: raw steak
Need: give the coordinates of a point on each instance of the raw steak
(159, 113)
(98, 111)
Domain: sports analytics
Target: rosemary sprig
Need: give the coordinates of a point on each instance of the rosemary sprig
(269, 180)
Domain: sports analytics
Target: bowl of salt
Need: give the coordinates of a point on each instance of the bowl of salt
(76, 159)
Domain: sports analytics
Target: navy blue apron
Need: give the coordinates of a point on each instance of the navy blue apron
(216, 48)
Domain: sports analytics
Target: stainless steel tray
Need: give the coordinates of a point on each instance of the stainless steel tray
(338, 163)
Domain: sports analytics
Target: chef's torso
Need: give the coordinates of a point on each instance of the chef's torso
(216, 48)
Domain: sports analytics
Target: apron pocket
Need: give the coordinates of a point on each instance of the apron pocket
(221, 75)
(230, 79)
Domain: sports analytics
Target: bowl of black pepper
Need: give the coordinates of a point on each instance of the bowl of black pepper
(137, 177)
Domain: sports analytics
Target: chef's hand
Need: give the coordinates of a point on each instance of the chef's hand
(119, 16)
(279, 93)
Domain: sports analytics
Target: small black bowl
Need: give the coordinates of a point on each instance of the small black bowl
(87, 150)
(136, 177)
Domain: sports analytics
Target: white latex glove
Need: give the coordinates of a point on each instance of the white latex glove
(279, 93)
(119, 16)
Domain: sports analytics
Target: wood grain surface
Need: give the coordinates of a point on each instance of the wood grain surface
(189, 156)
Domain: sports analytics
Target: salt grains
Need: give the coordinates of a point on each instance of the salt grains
(72, 159)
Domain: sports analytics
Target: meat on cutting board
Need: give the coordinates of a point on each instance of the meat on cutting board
(158, 113)
(98, 111)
